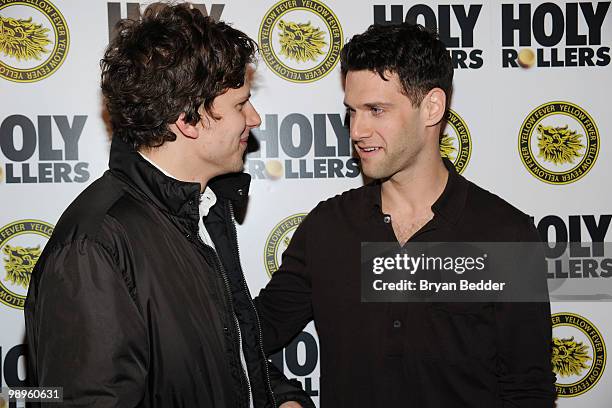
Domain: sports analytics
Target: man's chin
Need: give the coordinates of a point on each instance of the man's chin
(373, 173)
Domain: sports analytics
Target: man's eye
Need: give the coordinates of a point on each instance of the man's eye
(376, 111)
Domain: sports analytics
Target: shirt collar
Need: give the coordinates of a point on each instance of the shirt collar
(180, 198)
(449, 205)
(207, 198)
(451, 202)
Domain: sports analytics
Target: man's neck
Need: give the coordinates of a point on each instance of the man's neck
(176, 165)
(411, 192)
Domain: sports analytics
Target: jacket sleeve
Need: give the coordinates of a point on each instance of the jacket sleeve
(84, 330)
(287, 390)
(284, 305)
(526, 379)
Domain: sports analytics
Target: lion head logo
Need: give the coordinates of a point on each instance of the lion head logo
(23, 39)
(20, 263)
(446, 147)
(569, 357)
(301, 41)
(559, 145)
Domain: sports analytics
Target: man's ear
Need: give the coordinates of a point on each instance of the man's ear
(185, 128)
(434, 105)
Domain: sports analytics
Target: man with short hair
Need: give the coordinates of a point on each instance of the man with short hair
(398, 81)
(139, 298)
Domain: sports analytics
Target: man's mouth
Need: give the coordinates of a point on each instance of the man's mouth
(367, 149)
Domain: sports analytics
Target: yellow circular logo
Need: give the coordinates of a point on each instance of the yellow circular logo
(558, 142)
(34, 40)
(579, 354)
(455, 141)
(278, 241)
(300, 40)
(21, 243)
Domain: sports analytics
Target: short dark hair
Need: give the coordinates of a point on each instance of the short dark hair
(414, 53)
(173, 60)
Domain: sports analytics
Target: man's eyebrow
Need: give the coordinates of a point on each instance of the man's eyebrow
(370, 105)
(377, 104)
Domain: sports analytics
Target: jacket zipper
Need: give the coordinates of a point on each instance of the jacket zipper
(220, 271)
(246, 289)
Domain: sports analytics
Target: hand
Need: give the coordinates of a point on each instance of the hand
(290, 404)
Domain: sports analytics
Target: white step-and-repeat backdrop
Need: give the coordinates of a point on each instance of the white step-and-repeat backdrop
(530, 120)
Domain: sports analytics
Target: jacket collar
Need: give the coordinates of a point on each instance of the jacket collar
(449, 205)
(176, 197)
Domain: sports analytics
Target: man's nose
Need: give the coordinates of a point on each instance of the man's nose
(359, 127)
(253, 118)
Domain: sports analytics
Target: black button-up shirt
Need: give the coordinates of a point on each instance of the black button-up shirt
(409, 354)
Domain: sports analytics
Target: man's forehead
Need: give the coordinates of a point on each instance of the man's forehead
(367, 83)
(243, 91)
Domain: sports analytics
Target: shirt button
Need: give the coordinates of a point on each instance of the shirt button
(397, 324)
(387, 218)
(240, 192)
(190, 202)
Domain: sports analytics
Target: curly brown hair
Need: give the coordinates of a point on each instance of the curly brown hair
(172, 61)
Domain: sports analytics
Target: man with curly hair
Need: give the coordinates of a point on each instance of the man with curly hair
(398, 81)
(139, 298)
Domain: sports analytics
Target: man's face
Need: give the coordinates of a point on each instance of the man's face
(224, 140)
(386, 130)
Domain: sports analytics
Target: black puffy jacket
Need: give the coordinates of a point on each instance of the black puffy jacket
(127, 307)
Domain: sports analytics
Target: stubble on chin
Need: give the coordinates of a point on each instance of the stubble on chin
(375, 171)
